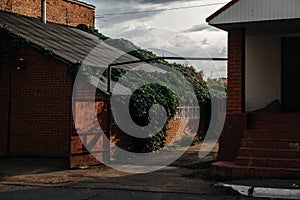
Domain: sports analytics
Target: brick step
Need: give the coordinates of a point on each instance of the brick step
(274, 117)
(269, 153)
(267, 162)
(272, 134)
(271, 143)
(230, 169)
(262, 125)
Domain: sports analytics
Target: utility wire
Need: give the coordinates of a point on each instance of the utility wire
(158, 10)
(169, 58)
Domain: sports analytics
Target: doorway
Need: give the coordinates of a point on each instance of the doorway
(290, 90)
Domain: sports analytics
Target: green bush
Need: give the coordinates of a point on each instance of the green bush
(147, 95)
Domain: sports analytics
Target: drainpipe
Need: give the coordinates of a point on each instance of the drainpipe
(44, 11)
(106, 156)
(9, 113)
(109, 80)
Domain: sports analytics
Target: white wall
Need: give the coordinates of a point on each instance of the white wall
(263, 70)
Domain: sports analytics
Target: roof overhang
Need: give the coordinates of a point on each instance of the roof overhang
(249, 13)
(215, 14)
(274, 26)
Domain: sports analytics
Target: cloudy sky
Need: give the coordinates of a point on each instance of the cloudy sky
(167, 27)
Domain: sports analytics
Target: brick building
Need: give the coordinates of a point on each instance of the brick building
(36, 88)
(261, 135)
(67, 12)
(37, 92)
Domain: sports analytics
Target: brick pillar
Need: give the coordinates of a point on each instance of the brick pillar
(236, 118)
(236, 75)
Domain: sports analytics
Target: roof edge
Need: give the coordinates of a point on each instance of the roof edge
(229, 4)
(232, 25)
(82, 4)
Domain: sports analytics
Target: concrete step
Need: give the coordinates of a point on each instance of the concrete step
(271, 143)
(267, 162)
(269, 153)
(272, 134)
(230, 169)
(270, 147)
(274, 117)
(262, 125)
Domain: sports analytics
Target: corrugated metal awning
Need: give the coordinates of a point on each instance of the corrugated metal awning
(70, 44)
(246, 11)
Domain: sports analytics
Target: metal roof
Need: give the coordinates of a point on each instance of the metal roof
(72, 45)
(117, 88)
(244, 11)
(69, 43)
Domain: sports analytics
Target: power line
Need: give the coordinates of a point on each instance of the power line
(170, 58)
(159, 10)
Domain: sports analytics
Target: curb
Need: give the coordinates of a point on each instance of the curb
(264, 192)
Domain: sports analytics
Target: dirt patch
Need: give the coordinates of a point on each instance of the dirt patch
(39, 172)
(39, 179)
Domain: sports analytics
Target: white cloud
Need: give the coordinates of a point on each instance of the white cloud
(183, 32)
(201, 27)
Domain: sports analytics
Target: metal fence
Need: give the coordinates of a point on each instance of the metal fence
(193, 112)
(188, 112)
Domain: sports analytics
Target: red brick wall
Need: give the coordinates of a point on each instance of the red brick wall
(40, 105)
(236, 53)
(65, 12)
(179, 128)
(231, 136)
(236, 120)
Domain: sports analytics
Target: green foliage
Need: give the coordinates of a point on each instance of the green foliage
(146, 96)
(149, 94)
(190, 74)
(73, 70)
(9, 42)
(217, 88)
(92, 30)
(116, 73)
(140, 103)
(133, 50)
(48, 51)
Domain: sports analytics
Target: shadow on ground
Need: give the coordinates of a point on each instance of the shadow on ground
(22, 166)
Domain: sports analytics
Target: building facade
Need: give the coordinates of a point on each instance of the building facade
(66, 12)
(261, 135)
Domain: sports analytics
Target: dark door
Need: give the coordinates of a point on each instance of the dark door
(290, 91)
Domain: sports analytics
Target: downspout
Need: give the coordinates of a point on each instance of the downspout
(109, 114)
(9, 113)
(44, 11)
(72, 124)
(109, 80)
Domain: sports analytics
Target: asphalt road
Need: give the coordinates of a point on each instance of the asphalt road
(66, 193)
(33, 179)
